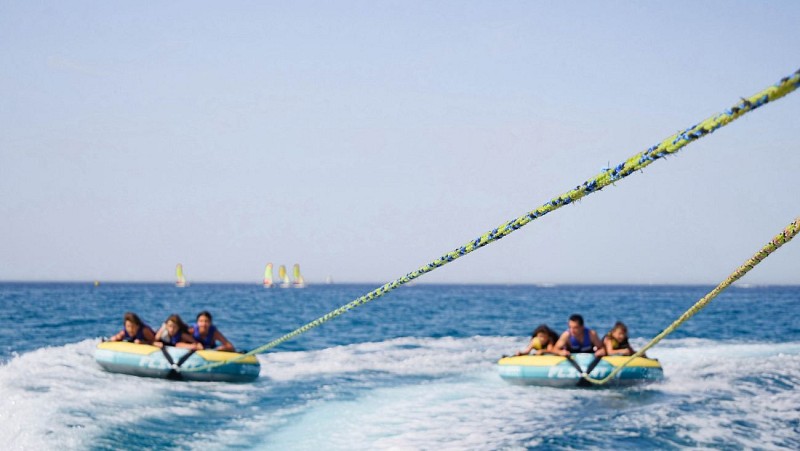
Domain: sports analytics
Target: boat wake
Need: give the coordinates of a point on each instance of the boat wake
(405, 393)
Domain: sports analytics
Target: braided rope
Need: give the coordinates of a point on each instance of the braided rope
(779, 240)
(637, 162)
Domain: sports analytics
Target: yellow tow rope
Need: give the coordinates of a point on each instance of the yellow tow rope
(637, 162)
(779, 240)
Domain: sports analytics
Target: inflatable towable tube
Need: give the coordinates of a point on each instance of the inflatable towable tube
(558, 371)
(151, 361)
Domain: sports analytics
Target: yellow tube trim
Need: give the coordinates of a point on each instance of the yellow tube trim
(223, 356)
(127, 347)
(619, 360)
(552, 360)
(140, 349)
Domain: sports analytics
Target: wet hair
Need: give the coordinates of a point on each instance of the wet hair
(551, 334)
(206, 314)
(577, 318)
(134, 318)
(619, 325)
(175, 318)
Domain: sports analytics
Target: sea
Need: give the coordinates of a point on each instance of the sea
(412, 370)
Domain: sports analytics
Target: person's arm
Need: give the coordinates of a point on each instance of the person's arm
(186, 341)
(226, 345)
(158, 343)
(611, 351)
(118, 337)
(549, 349)
(628, 350)
(149, 336)
(560, 347)
(608, 346)
(527, 350)
(601, 350)
(196, 345)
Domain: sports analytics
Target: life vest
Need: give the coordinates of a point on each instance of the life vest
(139, 334)
(168, 339)
(574, 346)
(537, 345)
(208, 342)
(615, 345)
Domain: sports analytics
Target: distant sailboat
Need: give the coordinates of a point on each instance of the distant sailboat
(329, 280)
(298, 281)
(283, 276)
(180, 281)
(268, 276)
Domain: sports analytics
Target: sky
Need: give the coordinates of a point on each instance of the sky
(365, 139)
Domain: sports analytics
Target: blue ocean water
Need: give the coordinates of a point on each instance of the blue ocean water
(412, 370)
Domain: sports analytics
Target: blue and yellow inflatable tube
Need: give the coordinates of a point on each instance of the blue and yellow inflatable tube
(558, 371)
(151, 361)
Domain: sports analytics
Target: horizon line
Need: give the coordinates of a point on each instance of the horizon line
(323, 283)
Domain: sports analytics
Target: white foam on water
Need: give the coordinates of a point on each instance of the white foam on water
(58, 397)
(714, 393)
(742, 392)
(460, 403)
(462, 413)
(410, 393)
(361, 363)
(400, 356)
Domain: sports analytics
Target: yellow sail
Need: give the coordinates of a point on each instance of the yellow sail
(283, 276)
(268, 276)
(298, 278)
(180, 280)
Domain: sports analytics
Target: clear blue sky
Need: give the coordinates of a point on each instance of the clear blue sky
(365, 139)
